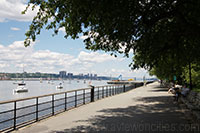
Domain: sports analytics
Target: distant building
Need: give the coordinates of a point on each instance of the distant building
(95, 76)
(91, 76)
(62, 74)
(70, 75)
(80, 76)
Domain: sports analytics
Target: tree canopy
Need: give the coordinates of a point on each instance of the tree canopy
(156, 30)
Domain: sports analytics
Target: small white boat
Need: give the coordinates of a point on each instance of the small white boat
(50, 82)
(21, 83)
(59, 86)
(21, 88)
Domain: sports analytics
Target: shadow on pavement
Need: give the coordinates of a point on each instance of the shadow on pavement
(161, 87)
(159, 90)
(157, 114)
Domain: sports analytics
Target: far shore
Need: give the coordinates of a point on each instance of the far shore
(38, 79)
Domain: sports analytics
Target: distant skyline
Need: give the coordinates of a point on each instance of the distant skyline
(51, 54)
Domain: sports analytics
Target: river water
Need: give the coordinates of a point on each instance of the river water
(35, 88)
(23, 111)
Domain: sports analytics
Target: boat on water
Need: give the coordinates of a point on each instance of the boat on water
(50, 82)
(60, 86)
(40, 80)
(22, 83)
(16, 82)
(21, 87)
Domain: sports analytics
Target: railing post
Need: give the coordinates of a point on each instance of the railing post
(65, 101)
(102, 92)
(98, 92)
(15, 113)
(113, 90)
(52, 104)
(106, 91)
(124, 88)
(36, 109)
(110, 90)
(92, 94)
(84, 96)
(75, 98)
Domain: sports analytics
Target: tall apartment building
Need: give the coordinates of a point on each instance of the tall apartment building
(62, 74)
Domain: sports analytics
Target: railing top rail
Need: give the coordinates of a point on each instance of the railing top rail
(46, 95)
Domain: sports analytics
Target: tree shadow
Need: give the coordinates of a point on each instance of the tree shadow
(159, 89)
(157, 114)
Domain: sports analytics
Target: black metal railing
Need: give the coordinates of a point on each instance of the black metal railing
(21, 112)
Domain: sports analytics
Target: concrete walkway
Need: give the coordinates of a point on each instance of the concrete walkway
(145, 109)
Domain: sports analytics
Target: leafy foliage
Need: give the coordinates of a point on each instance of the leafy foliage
(164, 34)
(195, 75)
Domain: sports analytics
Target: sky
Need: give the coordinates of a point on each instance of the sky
(50, 54)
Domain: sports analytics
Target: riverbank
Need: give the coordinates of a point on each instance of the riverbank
(44, 79)
(145, 109)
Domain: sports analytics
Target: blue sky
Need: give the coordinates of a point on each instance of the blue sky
(51, 54)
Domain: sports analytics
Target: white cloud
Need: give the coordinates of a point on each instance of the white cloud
(11, 10)
(90, 34)
(95, 34)
(95, 57)
(83, 37)
(15, 28)
(123, 48)
(15, 56)
(127, 73)
(62, 30)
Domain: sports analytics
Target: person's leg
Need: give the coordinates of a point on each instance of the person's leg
(177, 95)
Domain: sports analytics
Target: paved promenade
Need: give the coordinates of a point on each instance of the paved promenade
(144, 109)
